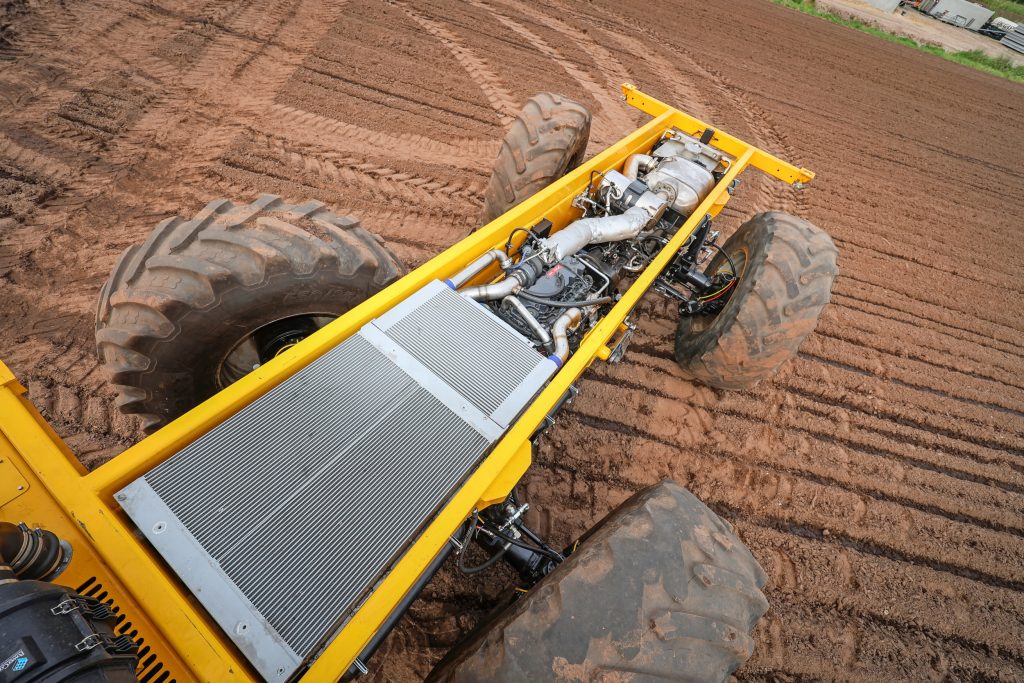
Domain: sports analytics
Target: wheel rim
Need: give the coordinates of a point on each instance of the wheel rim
(265, 343)
(700, 323)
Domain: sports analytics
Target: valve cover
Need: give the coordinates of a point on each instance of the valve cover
(281, 519)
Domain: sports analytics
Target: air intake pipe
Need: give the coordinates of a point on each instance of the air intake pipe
(31, 553)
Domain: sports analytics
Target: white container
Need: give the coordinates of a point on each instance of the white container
(961, 13)
(884, 5)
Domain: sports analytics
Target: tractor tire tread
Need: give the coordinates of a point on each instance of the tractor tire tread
(776, 306)
(547, 139)
(184, 266)
(679, 597)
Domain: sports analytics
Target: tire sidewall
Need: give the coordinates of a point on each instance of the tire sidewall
(185, 366)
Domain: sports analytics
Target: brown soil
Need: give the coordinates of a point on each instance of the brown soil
(879, 478)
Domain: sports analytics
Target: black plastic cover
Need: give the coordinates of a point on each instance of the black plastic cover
(50, 633)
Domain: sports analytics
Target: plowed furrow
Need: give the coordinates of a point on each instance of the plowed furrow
(612, 121)
(911, 374)
(930, 602)
(845, 329)
(807, 508)
(997, 337)
(937, 338)
(862, 431)
(800, 454)
(851, 391)
(833, 642)
(744, 438)
(304, 126)
(941, 297)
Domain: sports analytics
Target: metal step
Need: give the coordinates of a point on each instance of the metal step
(282, 518)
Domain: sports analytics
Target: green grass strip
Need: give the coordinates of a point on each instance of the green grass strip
(976, 59)
(1009, 9)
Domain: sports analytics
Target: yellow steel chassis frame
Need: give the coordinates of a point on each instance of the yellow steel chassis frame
(42, 482)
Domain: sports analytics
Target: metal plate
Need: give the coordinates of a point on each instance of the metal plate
(282, 518)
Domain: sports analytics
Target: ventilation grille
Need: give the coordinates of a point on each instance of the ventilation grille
(282, 519)
(150, 669)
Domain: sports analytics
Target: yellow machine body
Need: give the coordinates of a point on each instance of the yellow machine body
(43, 484)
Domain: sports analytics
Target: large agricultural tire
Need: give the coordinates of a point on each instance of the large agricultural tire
(179, 306)
(661, 589)
(787, 266)
(547, 140)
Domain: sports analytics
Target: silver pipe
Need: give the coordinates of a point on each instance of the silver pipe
(497, 290)
(538, 329)
(636, 162)
(474, 268)
(560, 332)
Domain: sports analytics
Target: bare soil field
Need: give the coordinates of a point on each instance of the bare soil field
(879, 479)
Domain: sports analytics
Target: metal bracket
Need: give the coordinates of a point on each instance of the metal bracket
(89, 642)
(65, 606)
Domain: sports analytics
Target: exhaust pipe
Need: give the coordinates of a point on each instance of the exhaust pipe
(636, 163)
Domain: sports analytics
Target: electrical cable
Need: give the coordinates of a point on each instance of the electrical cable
(508, 245)
(723, 252)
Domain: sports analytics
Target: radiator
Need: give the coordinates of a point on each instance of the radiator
(281, 519)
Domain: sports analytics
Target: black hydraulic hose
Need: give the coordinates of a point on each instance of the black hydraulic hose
(400, 609)
(489, 562)
(564, 304)
(466, 540)
(508, 539)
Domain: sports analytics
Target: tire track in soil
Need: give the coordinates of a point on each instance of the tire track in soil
(306, 127)
(611, 122)
(477, 68)
(770, 194)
